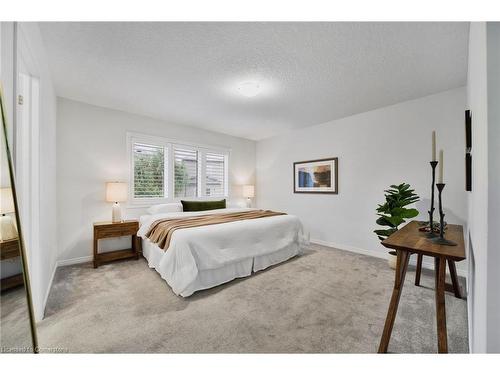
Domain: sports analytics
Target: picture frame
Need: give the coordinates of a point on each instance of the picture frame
(468, 172)
(468, 131)
(319, 176)
(468, 150)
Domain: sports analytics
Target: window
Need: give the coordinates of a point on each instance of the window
(165, 171)
(186, 173)
(149, 171)
(215, 176)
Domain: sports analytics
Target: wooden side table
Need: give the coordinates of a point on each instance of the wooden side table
(9, 249)
(409, 240)
(108, 229)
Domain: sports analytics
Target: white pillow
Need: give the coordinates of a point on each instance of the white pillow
(165, 208)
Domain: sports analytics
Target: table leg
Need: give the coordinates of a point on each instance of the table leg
(136, 245)
(96, 261)
(440, 275)
(418, 271)
(454, 278)
(401, 267)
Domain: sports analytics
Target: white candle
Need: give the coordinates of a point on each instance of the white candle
(433, 145)
(440, 180)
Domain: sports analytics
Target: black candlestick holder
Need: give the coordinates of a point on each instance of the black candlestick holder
(441, 240)
(431, 233)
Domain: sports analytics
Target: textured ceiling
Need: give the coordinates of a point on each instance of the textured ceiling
(186, 73)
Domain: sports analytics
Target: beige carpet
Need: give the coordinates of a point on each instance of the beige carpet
(326, 301)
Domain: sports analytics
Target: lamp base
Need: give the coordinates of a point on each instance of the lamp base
(249, 202)
(117, 213)
(443, 241)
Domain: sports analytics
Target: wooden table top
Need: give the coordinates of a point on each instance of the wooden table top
(409, 238)
(123, 222)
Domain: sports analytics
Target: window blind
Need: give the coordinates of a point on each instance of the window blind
(149, 171)
(185, 172)
(215, 172)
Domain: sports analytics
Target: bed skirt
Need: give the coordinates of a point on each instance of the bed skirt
(212, 277)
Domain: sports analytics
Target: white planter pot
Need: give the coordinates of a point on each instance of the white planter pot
(392, 260)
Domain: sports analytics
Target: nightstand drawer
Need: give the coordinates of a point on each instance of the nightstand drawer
(9, 248)
(115, 232)
(125, 228)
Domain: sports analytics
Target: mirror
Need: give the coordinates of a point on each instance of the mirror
(17, 324)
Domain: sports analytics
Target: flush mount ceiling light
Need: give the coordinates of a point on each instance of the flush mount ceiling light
(249, 89)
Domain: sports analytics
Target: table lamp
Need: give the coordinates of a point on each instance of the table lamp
(8, 230)
(116, 192)
(249, 193)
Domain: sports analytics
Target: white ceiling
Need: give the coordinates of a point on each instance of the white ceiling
(186, 73)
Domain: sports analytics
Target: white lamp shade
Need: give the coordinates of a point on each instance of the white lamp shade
(6, 201)
(116, 191)
(248, 191)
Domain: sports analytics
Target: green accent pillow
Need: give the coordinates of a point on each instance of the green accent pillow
(202, 205)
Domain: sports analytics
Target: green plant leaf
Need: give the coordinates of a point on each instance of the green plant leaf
(405, 213)
(383, 221)
(395, 220)
(392, 213)
(385, 232)
(383, 208)
(410, 213)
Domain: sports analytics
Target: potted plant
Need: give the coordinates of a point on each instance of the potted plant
(394, 212)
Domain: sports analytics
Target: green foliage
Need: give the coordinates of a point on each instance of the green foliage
(181, 178)
(393, 212)
(148, 173)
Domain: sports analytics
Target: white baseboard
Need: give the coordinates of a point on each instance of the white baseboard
(69, 262)
(60, 263)
(47, 292)
(426, 263)
(352, 249)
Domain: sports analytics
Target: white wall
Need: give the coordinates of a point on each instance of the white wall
(375, 149)
(7, 69)
(483, 96)
(42, 255)
(478, 199)
(493, 323)
(92, 149)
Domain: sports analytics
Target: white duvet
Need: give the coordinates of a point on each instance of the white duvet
(202, 257)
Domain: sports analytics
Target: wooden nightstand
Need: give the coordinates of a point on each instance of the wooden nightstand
(108, 229)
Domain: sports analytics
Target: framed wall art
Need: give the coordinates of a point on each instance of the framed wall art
(316, 176)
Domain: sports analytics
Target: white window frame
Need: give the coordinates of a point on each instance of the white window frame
(170, 144)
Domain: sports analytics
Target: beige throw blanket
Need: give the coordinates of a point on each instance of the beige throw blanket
(161, 230)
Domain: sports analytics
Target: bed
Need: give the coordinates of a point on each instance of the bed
(206, 256)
